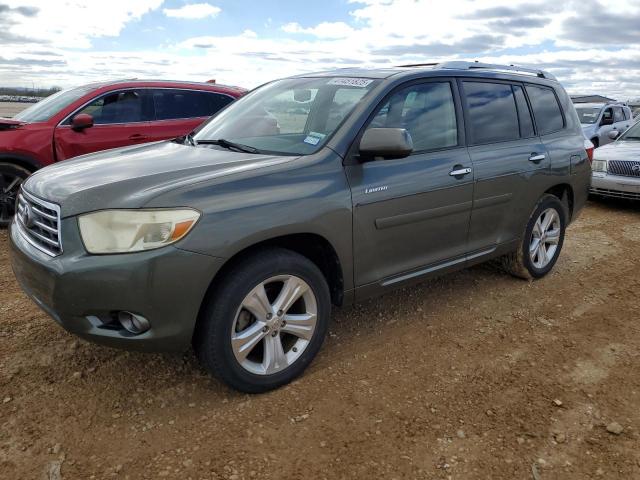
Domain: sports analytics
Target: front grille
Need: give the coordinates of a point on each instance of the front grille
(39, 221)
(624, 168)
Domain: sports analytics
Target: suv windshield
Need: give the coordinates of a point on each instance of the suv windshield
(48, 107)
(292, 116)
(588, 114)
(632, 134)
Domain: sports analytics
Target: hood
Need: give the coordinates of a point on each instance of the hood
(131, 176)
(619, 150)
(588, 126)
(7, 123)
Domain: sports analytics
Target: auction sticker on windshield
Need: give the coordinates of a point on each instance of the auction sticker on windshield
(314, 138)
(350, 82)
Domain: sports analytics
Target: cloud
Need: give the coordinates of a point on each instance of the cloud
(24, 11)
(322, 30)
(194, 11)
(68, 23)
(606, 27)
(567, 38)
(473, 44)
(31, 62)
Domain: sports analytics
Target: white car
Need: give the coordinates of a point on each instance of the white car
(599, 120)
(616, 166)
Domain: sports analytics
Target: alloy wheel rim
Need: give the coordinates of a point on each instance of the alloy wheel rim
(274, 324)
(9, 187)
(545, 238)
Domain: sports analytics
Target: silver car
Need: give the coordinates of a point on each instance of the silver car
(600, 119)
(616, 167)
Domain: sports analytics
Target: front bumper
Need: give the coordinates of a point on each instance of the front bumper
(81, 291)
(617, 186)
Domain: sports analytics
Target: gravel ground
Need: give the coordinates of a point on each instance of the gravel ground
(474, 375)
(9, 109)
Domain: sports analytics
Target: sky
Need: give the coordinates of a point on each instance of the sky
(592, 46)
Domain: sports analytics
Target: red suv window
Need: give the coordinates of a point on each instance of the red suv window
(176, 103)
(126, 106)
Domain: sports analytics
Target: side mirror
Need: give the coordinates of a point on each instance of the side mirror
(386, 142)
(82, 121)
(607, 121)
(613, 134)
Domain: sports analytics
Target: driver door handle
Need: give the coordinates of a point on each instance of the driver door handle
(138, 136)
(460, 172)
(537, 157)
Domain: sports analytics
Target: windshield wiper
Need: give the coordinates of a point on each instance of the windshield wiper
(228, 144)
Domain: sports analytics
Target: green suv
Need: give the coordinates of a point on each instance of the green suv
(314, 190)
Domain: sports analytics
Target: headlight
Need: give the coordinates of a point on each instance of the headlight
(123, 231)
(599, 165)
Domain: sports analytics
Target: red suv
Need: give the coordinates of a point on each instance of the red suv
(97, 117)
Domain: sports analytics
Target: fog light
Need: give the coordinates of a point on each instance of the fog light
(133, 323)
(599, 166)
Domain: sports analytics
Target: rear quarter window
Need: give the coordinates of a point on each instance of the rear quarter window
(546, 109)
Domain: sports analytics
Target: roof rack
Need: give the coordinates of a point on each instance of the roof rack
(463, 65)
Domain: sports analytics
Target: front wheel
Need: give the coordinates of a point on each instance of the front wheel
(542, 240)
(265, 322)
(11, 177)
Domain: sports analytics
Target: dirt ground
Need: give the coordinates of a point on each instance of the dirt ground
(475, 375)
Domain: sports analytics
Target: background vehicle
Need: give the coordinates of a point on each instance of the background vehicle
(96, 117)
(598, 119)
(308, 191)
(616, 167)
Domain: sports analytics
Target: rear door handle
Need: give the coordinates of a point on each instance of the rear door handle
(537, 157)
(460, 172)
(138, 136)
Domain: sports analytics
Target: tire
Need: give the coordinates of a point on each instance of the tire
(528, 263)
(240, 346)
(11, 177)
(596, 142)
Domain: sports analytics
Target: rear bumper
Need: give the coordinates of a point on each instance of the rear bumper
(615, 186)
(81, 292)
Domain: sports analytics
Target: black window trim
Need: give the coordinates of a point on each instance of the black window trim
(66, 121)
(463, 97)
(526, 99)
(353, 156)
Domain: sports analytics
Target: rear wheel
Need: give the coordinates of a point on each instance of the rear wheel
(11, 177)
(542, 240)
(266, 321)
(596, 142)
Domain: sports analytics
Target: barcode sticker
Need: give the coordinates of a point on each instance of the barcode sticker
(350, 82)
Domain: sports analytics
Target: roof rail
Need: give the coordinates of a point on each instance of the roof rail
(410, 65)
(462, 65)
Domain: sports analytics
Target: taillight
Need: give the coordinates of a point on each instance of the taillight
(588, 146)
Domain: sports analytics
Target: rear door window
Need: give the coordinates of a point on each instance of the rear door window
(618, 115)
(493, 116)
(546, 109)
(174, 104)
(129, 106)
